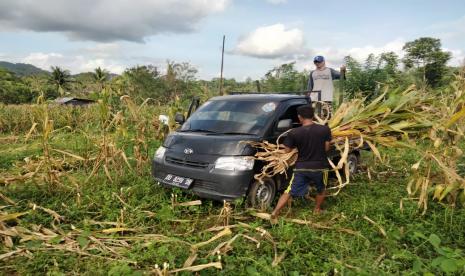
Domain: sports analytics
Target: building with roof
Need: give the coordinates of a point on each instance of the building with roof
(74, 101)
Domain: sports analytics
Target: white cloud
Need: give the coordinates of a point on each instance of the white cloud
(286, 45)
(393, 46)
(103, 50)
(112, 67)
(107, 20)
(274, 41)
(458, 57)
(336, 55)
(45, 60)
(450, 30)
(74, 63)
(276, 2)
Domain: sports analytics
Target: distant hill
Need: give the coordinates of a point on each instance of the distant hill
(86, 76)
(22, 69)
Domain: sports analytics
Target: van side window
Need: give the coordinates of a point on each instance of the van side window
(291, 113)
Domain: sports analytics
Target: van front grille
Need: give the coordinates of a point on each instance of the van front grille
(204, 185)
(186, 163)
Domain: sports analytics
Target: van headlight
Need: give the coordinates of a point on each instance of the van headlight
(235, 163)
(160, 153)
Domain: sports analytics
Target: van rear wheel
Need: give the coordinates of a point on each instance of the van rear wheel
(352, 163)
(262, 194)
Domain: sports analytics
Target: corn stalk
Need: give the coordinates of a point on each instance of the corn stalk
(436, 173)
(140, 148)
(391, 116)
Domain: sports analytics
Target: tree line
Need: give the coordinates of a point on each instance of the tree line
(424, 63)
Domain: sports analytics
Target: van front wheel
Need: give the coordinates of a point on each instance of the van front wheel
(352, 163)
(262, 194)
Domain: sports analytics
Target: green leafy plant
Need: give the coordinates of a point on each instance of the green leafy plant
(448, 260)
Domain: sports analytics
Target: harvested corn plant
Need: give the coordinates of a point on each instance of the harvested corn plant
(437, 172)
(393, 115)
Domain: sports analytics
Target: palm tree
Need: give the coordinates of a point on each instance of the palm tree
(60, 78)
(100, 76)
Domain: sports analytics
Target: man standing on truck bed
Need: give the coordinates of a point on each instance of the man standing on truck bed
(312, 142)
(321, 79)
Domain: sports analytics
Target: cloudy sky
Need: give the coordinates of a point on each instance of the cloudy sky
(81, 35)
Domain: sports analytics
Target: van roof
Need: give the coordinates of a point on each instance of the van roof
(259, 97)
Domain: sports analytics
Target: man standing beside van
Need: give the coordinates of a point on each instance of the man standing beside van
(312, 142)
(321, 79)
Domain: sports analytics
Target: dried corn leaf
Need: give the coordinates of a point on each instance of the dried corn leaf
(118, 230)
(381, 229)
(7, 217)
(11, 253)
(224, 232)
(196, 268)
(190, 203)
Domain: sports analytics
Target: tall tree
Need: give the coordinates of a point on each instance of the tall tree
(100, 76)
(389, 61)
(425, 54)
(365, 80)
(143, 82)
(60, 78)
(284, 78)
(180, 79)
(370, 62)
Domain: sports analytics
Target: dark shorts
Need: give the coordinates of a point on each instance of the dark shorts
(300, 182)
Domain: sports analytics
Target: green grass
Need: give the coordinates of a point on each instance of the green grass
(13, 152)
(408, 247)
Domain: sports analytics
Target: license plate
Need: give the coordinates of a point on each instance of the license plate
(178, 181)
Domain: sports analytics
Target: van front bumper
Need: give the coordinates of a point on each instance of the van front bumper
(216, 184)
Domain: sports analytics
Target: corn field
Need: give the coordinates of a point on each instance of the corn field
(76, 188)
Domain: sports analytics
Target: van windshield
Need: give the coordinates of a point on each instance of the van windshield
(230, 117)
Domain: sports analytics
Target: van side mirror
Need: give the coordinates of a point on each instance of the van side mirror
(284, 125)
(179, 118)
(164, 119)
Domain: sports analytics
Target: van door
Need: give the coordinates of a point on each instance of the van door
(195, 103)
(288, 112)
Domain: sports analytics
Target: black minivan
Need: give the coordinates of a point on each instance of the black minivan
(207, 156)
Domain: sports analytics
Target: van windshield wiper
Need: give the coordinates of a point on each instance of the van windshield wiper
(198, 130)
(237, 133)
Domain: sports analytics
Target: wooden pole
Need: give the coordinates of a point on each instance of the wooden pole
(222, 62)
